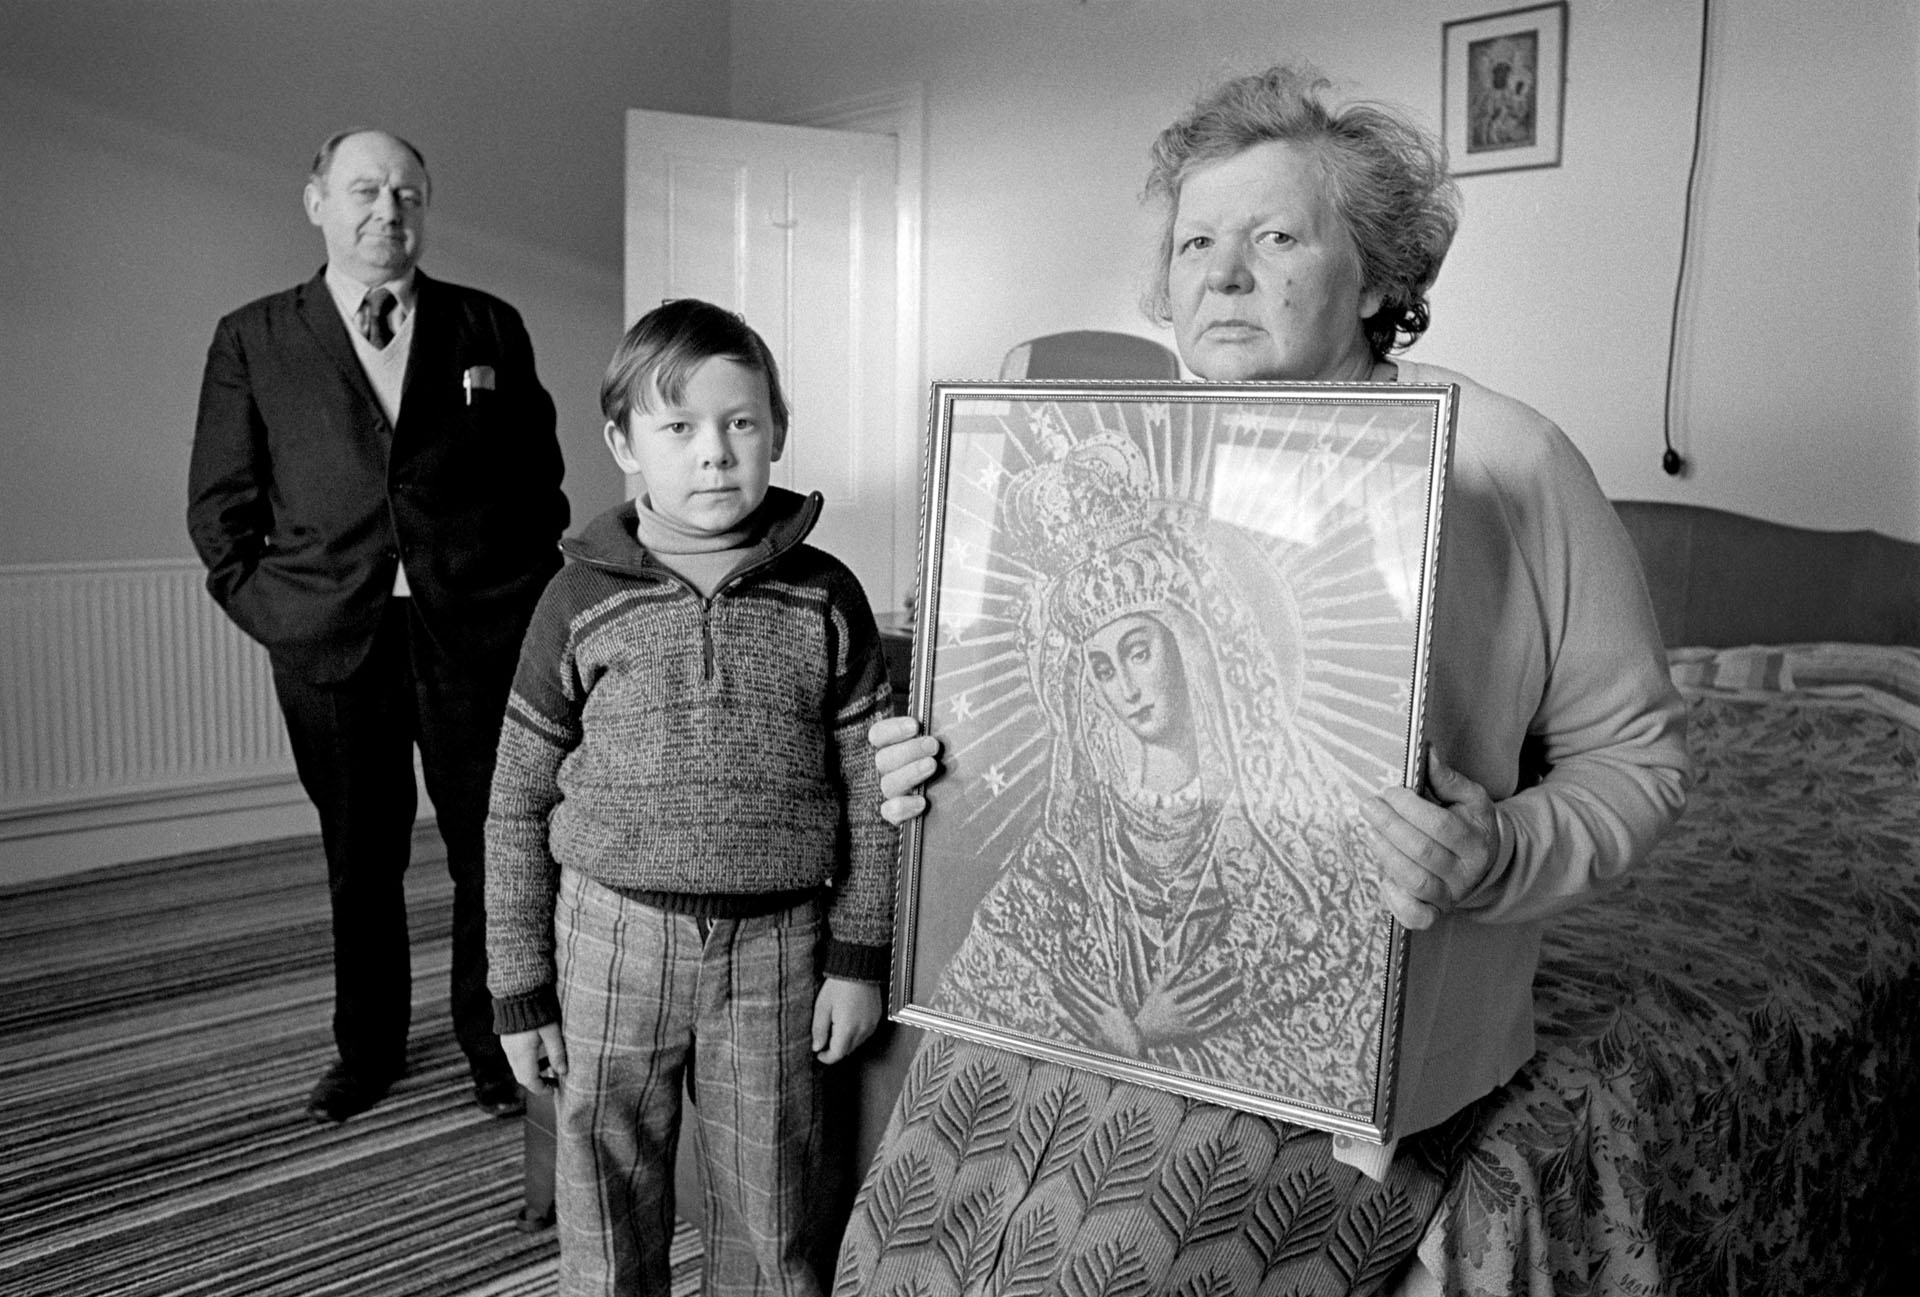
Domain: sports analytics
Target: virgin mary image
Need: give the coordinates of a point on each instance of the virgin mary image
(1192, 895)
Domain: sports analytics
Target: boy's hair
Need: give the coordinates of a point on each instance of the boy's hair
(665, 346)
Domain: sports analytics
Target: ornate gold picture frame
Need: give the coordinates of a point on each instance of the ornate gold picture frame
(1169, 633)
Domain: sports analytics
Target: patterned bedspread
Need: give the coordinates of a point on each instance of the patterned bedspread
(1724, 1099)
(1727, 1093)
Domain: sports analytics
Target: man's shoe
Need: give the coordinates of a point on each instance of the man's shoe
(499, 1096)
(343, 1093)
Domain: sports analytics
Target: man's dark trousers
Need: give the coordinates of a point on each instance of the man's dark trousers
(353, 745)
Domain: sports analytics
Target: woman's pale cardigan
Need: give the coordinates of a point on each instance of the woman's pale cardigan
(1543, 633)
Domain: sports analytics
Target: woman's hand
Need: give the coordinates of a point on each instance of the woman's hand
(1432, 854)
(906, 759)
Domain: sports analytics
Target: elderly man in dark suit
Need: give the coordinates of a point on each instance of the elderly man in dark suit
(375, 489)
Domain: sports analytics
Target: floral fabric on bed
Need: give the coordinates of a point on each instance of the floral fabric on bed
(1729, 1070)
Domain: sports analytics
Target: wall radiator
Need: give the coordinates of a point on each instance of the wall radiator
(124, 682)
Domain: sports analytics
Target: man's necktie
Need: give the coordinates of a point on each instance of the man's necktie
(372, 317)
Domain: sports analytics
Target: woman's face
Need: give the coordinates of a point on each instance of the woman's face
(1264, 281)
(1136, 665)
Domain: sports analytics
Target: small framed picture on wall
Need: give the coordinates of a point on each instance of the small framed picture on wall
(1503, 83)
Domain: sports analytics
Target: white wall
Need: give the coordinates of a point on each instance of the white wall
(152, 156)
(1806, 340)
(1800, 356)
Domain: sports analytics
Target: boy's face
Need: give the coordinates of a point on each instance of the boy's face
(704, 459)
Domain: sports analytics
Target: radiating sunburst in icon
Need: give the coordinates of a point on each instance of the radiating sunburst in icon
(1337, 496)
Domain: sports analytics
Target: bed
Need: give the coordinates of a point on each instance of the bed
(1726, 1097)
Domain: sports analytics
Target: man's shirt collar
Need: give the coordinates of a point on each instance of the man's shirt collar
(348, 293)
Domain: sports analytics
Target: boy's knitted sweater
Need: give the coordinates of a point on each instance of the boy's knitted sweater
(706, 756)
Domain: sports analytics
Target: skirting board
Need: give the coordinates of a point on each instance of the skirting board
(59, 842)
(69, 840)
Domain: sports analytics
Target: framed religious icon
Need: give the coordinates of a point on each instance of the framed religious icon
(1170, 634)
(1503, 81)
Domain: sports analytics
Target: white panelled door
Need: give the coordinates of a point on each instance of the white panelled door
(795, 228)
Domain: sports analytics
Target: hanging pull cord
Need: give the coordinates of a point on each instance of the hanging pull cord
(1671, 460)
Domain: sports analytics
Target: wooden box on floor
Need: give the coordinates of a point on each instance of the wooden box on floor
(536, 1212)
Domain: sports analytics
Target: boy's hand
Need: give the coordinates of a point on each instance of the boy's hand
(844, 1015)
(526, 1050)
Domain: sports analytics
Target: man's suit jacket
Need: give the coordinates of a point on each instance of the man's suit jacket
(302, 496)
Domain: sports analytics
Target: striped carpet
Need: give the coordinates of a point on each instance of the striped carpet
(160, 1026)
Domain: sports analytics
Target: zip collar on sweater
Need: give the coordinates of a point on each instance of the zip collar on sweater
(610, 542)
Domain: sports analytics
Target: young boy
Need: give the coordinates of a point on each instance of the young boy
(686, 864)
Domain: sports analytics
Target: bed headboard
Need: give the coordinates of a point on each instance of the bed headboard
(1721, 579)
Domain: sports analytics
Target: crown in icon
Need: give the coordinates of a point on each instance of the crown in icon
(1100, 543)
